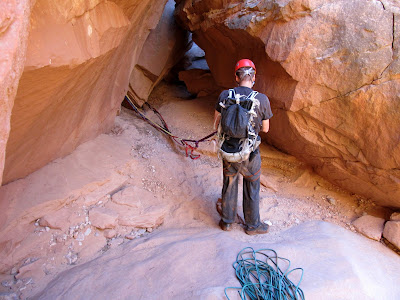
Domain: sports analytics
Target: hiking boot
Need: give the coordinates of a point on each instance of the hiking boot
(260, 229)
(225, 226)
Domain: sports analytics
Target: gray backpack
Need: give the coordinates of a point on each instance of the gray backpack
(236, 131)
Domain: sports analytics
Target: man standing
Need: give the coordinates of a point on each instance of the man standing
(250, 168)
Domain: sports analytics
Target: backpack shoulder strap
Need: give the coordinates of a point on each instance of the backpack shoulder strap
(252, 95)
(231, 94)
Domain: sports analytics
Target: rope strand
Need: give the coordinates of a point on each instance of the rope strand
(189, 149)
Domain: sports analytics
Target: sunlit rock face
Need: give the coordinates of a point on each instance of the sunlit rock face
(331, 70)
(14, 24)
(79, 57)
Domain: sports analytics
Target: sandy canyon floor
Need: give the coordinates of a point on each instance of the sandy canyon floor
(129, 216)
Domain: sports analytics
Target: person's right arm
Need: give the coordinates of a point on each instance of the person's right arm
(217, 118)
(265, 126)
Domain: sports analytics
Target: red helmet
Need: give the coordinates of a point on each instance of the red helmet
(244, 63)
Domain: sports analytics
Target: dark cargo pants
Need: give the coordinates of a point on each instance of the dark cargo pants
(251, 171)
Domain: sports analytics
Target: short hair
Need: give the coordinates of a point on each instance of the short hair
(245, 71)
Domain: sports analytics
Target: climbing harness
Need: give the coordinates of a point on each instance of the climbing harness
(189, 144)
(261, 277)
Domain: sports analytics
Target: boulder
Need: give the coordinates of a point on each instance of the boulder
(103, 218)
(370, 226)
(395, 216)
(198, 80)
(330, 69)
(195, 58)
(60, 219)
(109, 233)
(392, 232)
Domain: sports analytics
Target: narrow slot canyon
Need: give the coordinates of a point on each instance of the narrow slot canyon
(98, 203)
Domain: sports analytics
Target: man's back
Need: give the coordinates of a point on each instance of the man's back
(263, 111)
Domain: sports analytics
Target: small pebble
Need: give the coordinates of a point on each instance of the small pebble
(88, 231)
(80, 237)
(71, 257)
(331, 200)
(140, 232)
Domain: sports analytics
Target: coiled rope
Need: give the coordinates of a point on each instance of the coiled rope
(261, 277)
(189, 144)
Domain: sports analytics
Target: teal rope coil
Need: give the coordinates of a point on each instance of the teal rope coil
(262, 279)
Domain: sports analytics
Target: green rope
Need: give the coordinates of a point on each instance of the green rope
(261, 277)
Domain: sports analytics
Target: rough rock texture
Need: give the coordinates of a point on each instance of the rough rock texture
(59, 219)
(136, 161)
(79, 58)
(165, 45)
(54, 212)
(31, 269)
(195, 59)
(138, 208)
(198, 80)
(103, 218)
(167, 253)
(395, 217)
(392, 232)
(370, 226)
(14, 24)
(331, 70)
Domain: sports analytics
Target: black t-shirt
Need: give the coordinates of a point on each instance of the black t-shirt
(264, 110)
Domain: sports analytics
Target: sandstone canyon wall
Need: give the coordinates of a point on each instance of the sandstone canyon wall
(79, 57)
(164, 47)
(14, 23)
(331, 70)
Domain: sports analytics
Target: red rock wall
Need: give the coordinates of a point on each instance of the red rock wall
(14, 23)
(165, 45)
(80, 55)
(331, 70)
